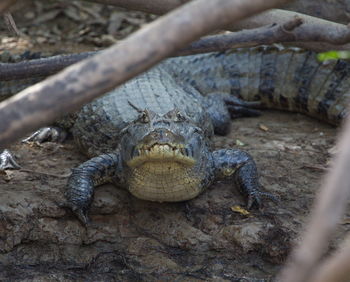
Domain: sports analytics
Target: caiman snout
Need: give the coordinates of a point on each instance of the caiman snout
(162, 136)
(162, 146)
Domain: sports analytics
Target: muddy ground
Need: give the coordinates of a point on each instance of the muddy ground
(133, 240)
(205, 239)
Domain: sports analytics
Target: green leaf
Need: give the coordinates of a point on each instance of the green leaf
(333, 55)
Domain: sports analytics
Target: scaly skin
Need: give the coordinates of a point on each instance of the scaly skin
(153, 134)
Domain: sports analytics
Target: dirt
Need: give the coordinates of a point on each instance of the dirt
(210, 238)
(133, 240)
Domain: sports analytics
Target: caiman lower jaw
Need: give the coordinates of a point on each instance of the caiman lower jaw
(161, 153)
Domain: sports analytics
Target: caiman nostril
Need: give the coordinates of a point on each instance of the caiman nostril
(162, 135)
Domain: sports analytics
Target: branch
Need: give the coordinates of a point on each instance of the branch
(314, 28)
(329, 206)
(78, 84)
(247, 38)
(10, 23)
(336, 268)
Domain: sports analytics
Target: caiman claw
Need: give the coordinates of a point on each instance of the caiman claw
(82, 215)
(255, 198)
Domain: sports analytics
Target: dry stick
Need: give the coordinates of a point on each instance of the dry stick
(65, 92)
(5, 4)
(246, 38)
(11, 25)
(336, 268)
(264, 35)
(329, 206)
(336, 36)
(279, 33)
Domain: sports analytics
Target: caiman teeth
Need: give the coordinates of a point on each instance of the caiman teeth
(160, 153)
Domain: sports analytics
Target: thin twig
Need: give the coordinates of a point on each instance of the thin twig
(78, 84)
(336, 268)
(329, 206)
(10, 23)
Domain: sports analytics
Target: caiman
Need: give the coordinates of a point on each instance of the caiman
(152, 135)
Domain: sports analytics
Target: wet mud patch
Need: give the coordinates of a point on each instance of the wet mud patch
(208, 238)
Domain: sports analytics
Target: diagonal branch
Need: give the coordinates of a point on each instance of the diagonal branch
(329, 206)
(67, 91)
(11, 25)
(336, 268)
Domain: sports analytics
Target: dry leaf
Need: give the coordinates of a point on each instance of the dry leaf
(263, 127)
(240, 210)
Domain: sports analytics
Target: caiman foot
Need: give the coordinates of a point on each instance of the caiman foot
(7, 161)
(45, 134)
(81, 214)
(255, 198)
(239, 167)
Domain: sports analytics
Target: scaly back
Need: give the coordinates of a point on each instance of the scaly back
(288, 79)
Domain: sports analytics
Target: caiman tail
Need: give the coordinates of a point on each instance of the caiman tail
(9, 88)
(288, 79)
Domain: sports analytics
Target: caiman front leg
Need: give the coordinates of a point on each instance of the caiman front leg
(84, 178)
(239, 167)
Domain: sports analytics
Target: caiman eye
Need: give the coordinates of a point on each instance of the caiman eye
(179, 117)
(144, 117)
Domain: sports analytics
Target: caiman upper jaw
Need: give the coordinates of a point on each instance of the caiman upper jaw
(161, 153)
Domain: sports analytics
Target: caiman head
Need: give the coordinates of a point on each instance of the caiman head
(164, 154)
